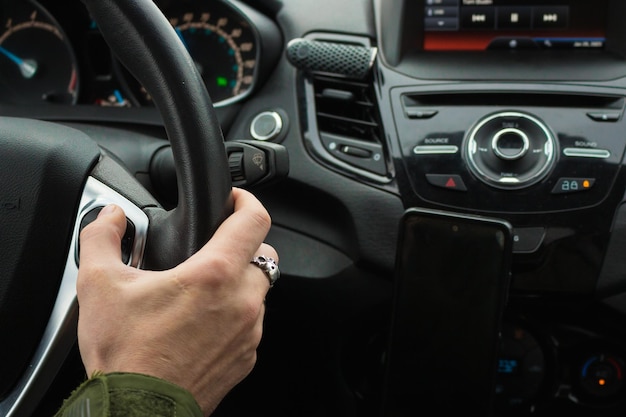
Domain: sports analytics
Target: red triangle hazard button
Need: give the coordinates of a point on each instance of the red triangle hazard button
(451, 182)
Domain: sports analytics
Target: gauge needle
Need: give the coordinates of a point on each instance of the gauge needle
(27, 67)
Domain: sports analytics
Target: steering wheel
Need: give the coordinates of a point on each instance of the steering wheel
(53, 179)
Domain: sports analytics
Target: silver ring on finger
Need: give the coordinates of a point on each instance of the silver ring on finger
(269, 267)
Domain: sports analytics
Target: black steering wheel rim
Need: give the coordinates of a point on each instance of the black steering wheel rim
(85, 176)
(146, 43)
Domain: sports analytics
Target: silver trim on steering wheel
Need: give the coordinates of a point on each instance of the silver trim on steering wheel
(60, 333)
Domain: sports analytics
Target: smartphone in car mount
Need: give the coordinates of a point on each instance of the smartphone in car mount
(452, 280)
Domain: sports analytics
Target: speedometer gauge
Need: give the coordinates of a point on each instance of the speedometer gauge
(225, 59)
(222, 44)
(37, 63)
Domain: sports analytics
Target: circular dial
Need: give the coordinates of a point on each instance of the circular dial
(222, 45)
(510, 150)
(37, 63)
(601, 376)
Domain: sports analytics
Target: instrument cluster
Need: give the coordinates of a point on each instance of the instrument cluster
(54, 53)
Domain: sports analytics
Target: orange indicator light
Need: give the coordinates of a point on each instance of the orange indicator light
(601, 381)
(586, 184)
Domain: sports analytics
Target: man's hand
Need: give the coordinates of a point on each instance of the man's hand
(197, 325)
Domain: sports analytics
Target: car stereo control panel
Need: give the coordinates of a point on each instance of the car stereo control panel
(513, 158)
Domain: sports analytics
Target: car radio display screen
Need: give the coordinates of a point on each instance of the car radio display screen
(478, 25)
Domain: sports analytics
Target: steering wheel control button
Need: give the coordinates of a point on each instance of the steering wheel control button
(450, 182)
(572, 185)
(127, 240)
(266, 126)
(510, 150)
(528, 239)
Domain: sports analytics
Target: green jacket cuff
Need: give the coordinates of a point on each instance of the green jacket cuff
(129, 395)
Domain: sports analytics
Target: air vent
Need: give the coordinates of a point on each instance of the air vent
(348, 124)
(343, 121)
(346, 108)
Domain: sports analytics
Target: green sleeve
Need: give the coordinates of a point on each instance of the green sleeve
(129, 395)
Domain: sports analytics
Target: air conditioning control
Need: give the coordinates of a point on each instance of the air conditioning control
(510, 150)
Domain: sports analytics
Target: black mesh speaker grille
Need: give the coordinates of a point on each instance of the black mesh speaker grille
(350, 61)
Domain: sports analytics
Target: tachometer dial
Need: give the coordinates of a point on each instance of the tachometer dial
(37, 63)
(223, 45)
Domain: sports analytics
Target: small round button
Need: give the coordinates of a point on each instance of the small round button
(266, 125)
(510, 144)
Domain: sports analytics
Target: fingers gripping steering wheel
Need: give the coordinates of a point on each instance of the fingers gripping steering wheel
(51, 176)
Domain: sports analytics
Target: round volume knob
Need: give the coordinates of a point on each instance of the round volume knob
(510, 150)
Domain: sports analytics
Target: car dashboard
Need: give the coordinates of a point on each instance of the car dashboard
(508, 109)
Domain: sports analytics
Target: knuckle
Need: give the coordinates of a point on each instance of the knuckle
(250, 310)
(221, 270)
(251, 361)
(262, 219)
(256, 335)
(248, 356)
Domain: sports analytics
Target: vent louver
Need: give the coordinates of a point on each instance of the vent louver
(346, 108)
(348, 124)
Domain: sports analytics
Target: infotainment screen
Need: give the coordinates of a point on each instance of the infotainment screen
(478, 25)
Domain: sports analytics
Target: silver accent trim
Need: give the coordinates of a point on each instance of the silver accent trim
(496, 141)
(587, 153)
(60, 333)
(435, 149)
(509, 180)
(274, 133)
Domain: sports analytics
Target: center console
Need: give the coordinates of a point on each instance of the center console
(514, 109)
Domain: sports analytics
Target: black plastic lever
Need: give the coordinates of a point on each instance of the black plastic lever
(251, 163)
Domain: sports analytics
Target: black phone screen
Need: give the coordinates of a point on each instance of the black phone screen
(452, 276)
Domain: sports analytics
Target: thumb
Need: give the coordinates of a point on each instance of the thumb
(100, 241)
